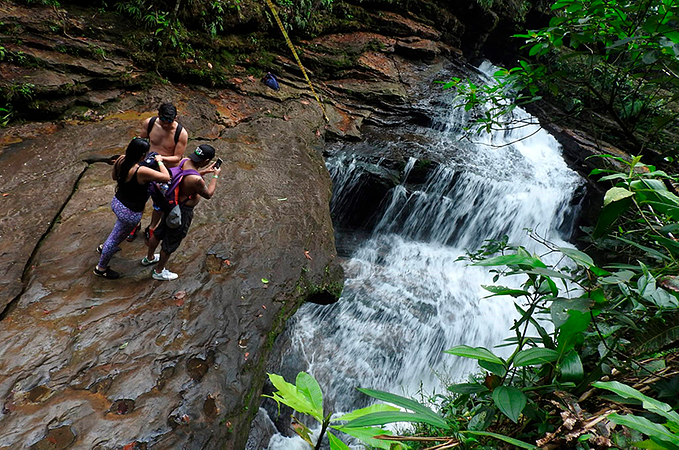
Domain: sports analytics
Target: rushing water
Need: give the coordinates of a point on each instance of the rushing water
(406, 297)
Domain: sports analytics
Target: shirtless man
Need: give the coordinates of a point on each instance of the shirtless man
(167, 138)
(191, 188)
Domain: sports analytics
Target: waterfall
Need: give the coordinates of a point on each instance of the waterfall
(406, 297)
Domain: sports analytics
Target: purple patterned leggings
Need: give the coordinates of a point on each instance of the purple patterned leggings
(127, 220)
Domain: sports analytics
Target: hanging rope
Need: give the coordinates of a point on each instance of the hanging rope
(292, 48)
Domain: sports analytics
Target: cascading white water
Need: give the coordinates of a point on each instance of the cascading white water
(406, 298)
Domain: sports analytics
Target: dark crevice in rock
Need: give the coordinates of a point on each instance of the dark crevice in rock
(12, 303)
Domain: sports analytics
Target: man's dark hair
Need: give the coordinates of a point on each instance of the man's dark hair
(167, 111)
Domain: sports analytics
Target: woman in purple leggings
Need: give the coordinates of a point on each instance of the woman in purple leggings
(129, 200)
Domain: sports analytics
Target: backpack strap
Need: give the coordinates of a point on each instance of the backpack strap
(178, 133)
(150, 127)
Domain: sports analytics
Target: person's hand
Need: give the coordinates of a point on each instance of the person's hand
(159, 158)
(216, 172)
(206, 170)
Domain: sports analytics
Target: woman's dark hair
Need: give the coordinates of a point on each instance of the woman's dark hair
(134, 153)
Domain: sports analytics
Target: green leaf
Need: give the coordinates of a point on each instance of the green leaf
(651, 252)
(367, 435)
(503, 290)
(467, 388)
(535, 356)
(650, 445)
(377, 407)
(560, 307)
(308, 386)
(478, 353)
(571, 368)
(501, 437)
(616, 202)
(511, 260)
(571, 331)
(650, 404)
(548, 273)
(289, 395)
(498, 369)
(510, 401)
(386, 417)
(406, 403)
(646, 427)
(580, 258)
(335, 443)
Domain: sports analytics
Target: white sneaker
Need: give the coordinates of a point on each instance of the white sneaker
(147, 262)
(165, 275)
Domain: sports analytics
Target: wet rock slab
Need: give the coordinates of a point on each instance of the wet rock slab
(136, 363)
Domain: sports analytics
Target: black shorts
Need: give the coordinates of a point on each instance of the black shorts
(171, 237)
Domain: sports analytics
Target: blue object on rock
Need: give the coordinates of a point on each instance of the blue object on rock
(271, 81)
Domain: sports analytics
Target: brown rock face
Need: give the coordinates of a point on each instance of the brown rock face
(93, 363)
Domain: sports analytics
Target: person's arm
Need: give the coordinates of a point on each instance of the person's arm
(146, 174)
(207, 191)
(116, 167)
(207, 169)
(145, 128)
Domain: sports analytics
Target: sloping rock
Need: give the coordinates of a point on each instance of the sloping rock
(140, 363)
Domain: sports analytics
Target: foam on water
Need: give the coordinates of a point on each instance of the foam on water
(406, 298)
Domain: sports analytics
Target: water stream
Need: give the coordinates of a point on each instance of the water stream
(406, 298)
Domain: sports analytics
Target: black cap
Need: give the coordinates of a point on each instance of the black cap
(203, 152)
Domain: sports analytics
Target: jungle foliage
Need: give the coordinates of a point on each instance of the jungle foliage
(580, 325)
(611, 63)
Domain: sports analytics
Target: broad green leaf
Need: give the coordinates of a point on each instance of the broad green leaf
(579, 257)
(650, 404)
(548, 273)
(478, 353)
(646, 427)
(386, 417)
(406, 403)
(616, 194)
(571, 368)
(510, 401)
(467, 388)
(560, 307)
(616, 202)
(501, 437)
(570, 331)
(498, 369)
(289, 395)
(651, 445)
(308, 386)
(364, 411)
(511, 260)
(535, 356)
(335, 443)
(367, 435)
(503, 290)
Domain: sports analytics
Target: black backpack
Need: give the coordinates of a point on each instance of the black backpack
(176, 133)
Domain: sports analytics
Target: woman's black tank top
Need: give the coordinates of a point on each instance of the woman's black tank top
(132, 194)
